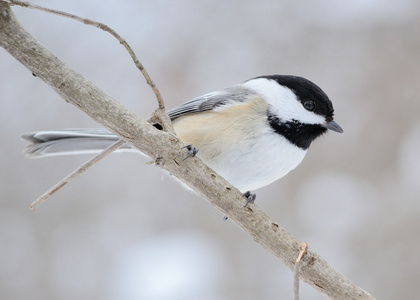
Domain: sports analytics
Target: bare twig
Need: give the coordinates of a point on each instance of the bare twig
(160, 115)
(83, 168)
(106, 28)
(298, 263)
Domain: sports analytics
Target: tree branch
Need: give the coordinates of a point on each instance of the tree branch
(165, 149)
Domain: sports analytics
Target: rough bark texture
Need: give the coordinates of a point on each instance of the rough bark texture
(166, 150)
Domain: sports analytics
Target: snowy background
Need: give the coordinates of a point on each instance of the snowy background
(125, 231)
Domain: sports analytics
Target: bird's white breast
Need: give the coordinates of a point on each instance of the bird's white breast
(238, 143)
(258, 166)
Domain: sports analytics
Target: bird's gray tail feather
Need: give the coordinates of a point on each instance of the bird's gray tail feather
(70, 142)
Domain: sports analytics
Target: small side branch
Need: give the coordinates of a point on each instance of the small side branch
(298, 264)
(166, 122)
(83, 168)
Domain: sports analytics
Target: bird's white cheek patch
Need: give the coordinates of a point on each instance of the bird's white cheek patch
(283, 102)
(288, 108)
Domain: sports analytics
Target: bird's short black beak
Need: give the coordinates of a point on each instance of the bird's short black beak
(332, 125)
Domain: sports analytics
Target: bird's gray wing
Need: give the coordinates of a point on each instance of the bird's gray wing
(211, 101)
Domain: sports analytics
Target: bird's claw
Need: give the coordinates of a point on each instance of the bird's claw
(250, 198)
(192, 151)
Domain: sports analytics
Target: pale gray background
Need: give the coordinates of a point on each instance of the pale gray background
(125, 231)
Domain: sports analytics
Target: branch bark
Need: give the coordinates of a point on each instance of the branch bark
(165, 149)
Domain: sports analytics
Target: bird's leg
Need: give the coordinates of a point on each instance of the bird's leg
(250, 198)
(192, 151)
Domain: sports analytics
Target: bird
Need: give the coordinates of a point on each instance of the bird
(252, 133)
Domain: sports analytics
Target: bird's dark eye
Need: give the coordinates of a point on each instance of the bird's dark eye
(309, 105)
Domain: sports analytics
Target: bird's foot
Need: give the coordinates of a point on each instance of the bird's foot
(192, 151)
(250, 198)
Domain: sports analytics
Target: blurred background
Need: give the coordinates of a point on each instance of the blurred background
(125, 231)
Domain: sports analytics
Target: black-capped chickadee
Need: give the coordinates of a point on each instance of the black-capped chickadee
(252, 133)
